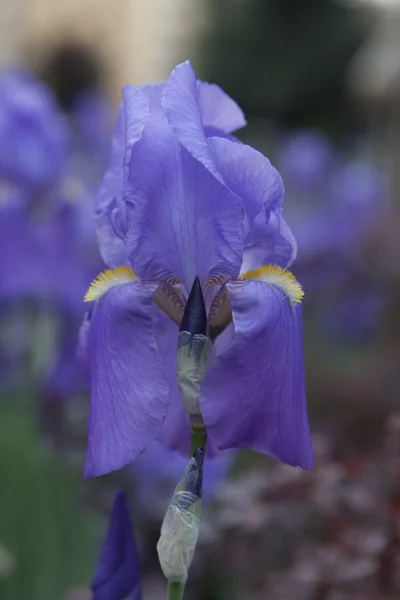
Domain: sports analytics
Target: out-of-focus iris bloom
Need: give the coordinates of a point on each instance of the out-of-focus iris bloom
(305, 159)
(333, 212)
(41, 205)
(34, 137)
(158, 469)
(358, 316)
(332, 203)
(181, 199)
(118, 573)
(47, 236)
(349, 208)
(44, 255)
(358, 195)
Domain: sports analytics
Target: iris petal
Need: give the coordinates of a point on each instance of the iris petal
(132, 115)
(118, 574)
(218, 109)
(254, 395)
(270, 241)
(246, 172)
(181, 221)
(129, 392)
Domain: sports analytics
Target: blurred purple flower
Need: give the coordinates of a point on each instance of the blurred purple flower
(118, 573)
(305, 159)
(34, 136)
(357, 185)
(43, 255)
(181, 200)
(358, 316)
(93, 116)
(358, 197)
(46, 222)
(64, 378)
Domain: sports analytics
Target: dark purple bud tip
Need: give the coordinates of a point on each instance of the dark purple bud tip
(194, 318)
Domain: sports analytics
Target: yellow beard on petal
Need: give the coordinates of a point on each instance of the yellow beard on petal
(107, 280)
(274, 275)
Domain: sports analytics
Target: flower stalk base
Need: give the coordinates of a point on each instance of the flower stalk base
(175, 591)
(198, 439)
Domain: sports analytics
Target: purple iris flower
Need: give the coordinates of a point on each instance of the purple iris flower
(182, 198)
(34, 136)
(118, 574)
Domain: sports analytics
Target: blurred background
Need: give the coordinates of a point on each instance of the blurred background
(319, 82)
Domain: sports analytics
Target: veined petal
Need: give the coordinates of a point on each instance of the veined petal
(175, 433)
(181, 220)
(129, 392)
(248, 174)
(111, 242)
(218, 109)
(243, 170)
(118, 571)
(271, 242)
(180, 102)
(132, 115)
(254, 395)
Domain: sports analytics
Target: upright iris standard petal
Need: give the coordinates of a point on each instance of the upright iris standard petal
(129, 392)
(218, 109)
(246, 172)
(110, 209)
(181, 220)
(254, 395)
(270, 241)
(118, 574)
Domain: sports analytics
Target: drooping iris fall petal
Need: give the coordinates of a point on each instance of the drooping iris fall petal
(254, 394)
(129, 392)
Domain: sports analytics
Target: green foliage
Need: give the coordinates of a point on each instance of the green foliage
(51, 538)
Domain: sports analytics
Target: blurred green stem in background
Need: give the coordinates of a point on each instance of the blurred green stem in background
(51, 538)
(198, 439)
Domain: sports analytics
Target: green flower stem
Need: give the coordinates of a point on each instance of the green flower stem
(175, 591)
(198, 439)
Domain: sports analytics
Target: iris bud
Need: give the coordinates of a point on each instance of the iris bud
(195, 349)
(180, 527)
